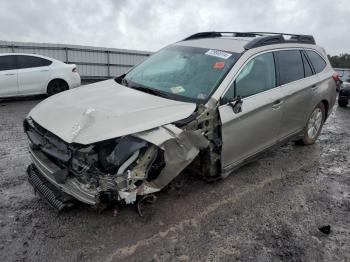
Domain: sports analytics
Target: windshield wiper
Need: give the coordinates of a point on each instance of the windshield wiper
(149, 90)
(123, 81)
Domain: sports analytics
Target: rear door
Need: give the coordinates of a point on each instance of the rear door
(33, 74)
(257, 126)
(297, 84)
(8, 76)
(324, 84)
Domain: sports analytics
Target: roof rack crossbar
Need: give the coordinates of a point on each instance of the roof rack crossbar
(264, 40)
(272, 33)
(212, 34)
(260, 38)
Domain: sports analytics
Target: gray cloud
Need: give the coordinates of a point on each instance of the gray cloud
(149, 25)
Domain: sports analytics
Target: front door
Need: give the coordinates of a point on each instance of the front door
(257, 126)
(8, 76)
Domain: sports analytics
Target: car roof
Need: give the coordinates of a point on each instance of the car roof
(230, 44)
(255, 41)
(35, 55)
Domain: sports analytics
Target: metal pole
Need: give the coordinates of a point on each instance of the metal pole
(66, 51)
(108, 65)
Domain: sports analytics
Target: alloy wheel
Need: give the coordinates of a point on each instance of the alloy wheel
(315, 123)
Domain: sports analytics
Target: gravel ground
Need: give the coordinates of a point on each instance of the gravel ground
(269, 210)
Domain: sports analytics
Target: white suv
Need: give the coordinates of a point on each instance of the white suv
(204, 105)
(27, 74)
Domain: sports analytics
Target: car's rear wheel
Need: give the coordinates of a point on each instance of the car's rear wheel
(343, 102)
(56, 86)
(314, 125)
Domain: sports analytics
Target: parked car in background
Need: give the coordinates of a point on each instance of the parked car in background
(345, 80)
(28, 74)
(343, 76)
(207, 105)
(344, 73)
(344, 93)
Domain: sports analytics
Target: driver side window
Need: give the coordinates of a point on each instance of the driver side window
(257, 76)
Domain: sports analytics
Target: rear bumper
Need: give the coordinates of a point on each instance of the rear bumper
(71, 186)
(75, 81)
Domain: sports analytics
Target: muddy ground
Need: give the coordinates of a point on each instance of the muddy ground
(269, 210)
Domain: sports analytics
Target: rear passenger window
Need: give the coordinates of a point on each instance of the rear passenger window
(307, 67)
(290, 66)
(31, 61)
(316, 60)
(7, 62)
(257, 76)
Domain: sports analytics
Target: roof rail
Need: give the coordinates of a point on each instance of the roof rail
(271, 37)
(264, 40)
(213, 34)
(260, 38)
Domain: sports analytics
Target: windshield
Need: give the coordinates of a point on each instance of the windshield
(182, 73)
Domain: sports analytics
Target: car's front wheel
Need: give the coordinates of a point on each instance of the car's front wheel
(314, 125)
(56, 86)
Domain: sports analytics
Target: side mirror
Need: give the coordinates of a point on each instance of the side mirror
(119, 78)
(236, 105)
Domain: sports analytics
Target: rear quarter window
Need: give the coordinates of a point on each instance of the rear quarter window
(316, 60)
(290, 66)
(307, 67)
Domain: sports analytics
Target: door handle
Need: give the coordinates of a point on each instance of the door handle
(10, 74)
(277, 104)
(314, 87)
(44, 70)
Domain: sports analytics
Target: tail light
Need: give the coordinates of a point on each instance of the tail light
(337, 81)
(74, 70)
(335, 77)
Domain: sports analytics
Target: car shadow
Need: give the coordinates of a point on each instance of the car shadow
(22, 98)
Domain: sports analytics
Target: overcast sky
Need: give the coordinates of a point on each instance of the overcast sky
(152, 24)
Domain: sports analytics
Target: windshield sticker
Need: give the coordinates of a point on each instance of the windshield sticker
(218, 53)
(177, 89)
(219, 65)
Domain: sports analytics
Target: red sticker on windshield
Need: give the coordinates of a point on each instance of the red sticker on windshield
(219, 65)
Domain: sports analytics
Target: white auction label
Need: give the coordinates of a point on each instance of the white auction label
(218, 53)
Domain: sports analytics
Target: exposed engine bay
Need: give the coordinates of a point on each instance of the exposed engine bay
(127, 168)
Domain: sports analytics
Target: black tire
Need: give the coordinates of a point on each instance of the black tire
(343, 102)
(307, 139)
(56, 86)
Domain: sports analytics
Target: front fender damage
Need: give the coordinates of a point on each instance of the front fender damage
(127, 169)
(180, 149)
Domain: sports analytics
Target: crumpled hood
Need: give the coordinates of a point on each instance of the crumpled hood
(105, 110)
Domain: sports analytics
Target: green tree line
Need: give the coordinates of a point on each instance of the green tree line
(341, 61)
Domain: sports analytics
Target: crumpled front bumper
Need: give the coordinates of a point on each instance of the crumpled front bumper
(71, 186)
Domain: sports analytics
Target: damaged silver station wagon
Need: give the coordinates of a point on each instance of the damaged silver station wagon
(205, 105)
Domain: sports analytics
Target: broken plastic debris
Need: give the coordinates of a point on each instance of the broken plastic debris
(144, 205)
(325, 229)
(129, 197)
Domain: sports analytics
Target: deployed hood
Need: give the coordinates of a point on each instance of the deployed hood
(105, 110)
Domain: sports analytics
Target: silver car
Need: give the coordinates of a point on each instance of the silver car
(206, 104)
